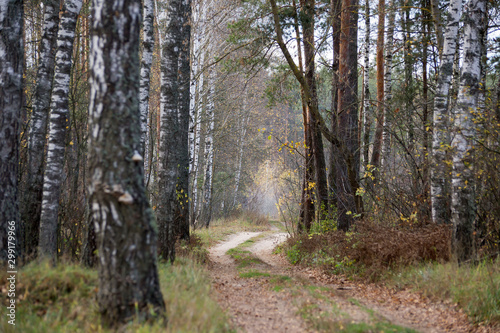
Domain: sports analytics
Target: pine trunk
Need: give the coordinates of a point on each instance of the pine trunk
(347, 169)
(124, 222)
(58, 122)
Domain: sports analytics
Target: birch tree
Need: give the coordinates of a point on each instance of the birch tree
(440, 136)
(11, 104)
(463, 208)
(58, 122)
(389, 46)
(168, 171)
(124, 221)
(366, 88)
(32, 201)
(148, 42)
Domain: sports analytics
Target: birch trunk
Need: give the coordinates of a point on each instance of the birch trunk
(32, 201)
(124, 221)
(440, 136)
(11, 105)
(148, 42)
(169, 130)
(58, 121)
(209, 154)
(438, 25)
(387, 110)
(366, 88)
(241, 149)
(377, 140)
(463, 196)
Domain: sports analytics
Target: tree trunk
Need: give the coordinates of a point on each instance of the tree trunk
(367, 122)
(463, 195)
(336, 9)
(377, 141)
(183, 112)
(387, 110)
(440, 135)
(168, 170)
(32, 200)
(347, 169)
(11, 105)
(206, 213)
(148, 42)
(321, 189)
(124, 221)
(438, 24)
(58, 122)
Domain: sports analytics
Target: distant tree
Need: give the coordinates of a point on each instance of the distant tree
(11, 104)
(124, 221)
(32, 199)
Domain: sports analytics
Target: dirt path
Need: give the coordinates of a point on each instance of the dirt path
(263, 293)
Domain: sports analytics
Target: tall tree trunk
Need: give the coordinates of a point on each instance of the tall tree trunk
(124, 221)
(463, 196)
(336, 9)
(440, 136)
(389, 46)
(241, 150)
(197, 35)
(58, 122)
(206, 212)
(183, 112)
(11, 105)
(32, 200)
(148, 43)
(377, 140)
(367, 122)
(321, 188)
(347, 169)
(168, 170)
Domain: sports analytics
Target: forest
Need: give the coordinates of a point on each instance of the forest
(161, 158)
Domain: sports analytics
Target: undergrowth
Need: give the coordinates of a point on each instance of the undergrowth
(63, 299)
(475, 288)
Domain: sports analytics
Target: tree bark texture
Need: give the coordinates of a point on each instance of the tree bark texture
(367, 110)
(206, 211)
(58, 122)
(11, 105)
(32, 199)
(183, 111)
(168, 168)
(148, 43)
(441, 130)
(123, 219)
(463, 208)
(347, 169)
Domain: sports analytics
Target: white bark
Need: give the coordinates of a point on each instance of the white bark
(463, 195)
(441, 128)
(58, 122)
(389, 47)
(366, 87)
(148, 42)
(209, 153)
(241, 148)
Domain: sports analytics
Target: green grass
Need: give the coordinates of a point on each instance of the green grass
(475, 288)
(253, 274)
(63, 299)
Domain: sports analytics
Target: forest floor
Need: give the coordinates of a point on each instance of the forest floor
(262, 292)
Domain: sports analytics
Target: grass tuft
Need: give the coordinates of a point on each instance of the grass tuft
(253, 274)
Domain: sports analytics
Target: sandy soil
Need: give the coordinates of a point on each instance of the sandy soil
(254, 306)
